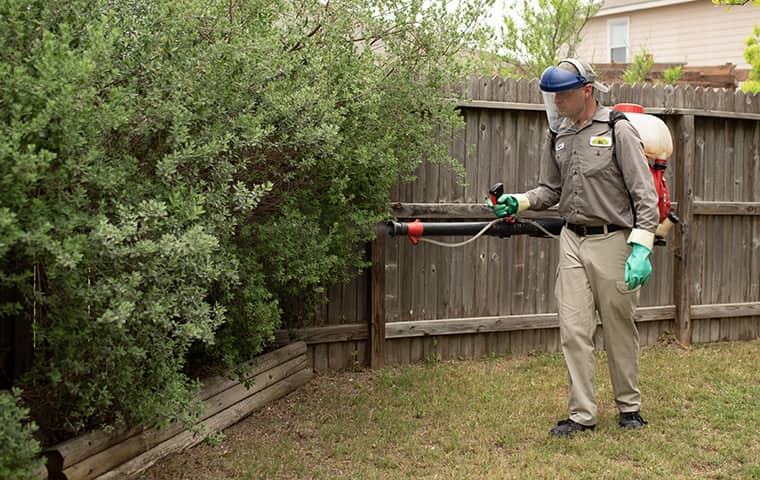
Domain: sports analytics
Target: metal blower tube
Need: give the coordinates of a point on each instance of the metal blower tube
(501, 229)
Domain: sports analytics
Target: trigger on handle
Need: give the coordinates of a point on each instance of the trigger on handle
(496, 191)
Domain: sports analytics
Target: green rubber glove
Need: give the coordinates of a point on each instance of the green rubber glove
(637, 267)
(506, 205)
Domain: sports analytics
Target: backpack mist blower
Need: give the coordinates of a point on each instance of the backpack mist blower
(658, 146)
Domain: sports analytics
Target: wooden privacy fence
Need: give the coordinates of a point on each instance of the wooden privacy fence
(495, 296)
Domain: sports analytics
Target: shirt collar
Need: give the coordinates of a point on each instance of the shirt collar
(601, 114)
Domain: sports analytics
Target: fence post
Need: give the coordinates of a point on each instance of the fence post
(376, 346)
(684, 171)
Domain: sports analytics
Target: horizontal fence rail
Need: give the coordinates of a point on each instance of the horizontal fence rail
(421, 328)
(490, 104)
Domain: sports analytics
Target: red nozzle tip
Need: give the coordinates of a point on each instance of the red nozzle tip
(415, 231)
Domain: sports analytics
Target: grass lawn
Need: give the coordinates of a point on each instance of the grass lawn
(489, 419)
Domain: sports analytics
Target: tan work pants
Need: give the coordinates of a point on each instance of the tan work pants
(590, 277)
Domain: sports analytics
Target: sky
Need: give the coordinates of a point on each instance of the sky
(498, 10)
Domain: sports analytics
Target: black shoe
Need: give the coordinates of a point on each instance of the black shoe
(565, 428)
(631, 420)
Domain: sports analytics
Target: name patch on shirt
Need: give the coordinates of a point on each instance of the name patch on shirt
(559, 147)
(600, 141)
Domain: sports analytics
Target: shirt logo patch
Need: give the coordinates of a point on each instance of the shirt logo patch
(559, 147)
(600, 141)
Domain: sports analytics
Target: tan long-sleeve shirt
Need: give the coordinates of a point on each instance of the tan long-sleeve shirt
(592, 182)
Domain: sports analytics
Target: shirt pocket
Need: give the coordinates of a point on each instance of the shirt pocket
(597, 159)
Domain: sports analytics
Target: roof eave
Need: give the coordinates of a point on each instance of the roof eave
(605, 12)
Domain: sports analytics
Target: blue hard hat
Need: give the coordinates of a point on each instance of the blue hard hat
(555, 79)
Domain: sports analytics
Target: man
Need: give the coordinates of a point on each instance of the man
(606, 195)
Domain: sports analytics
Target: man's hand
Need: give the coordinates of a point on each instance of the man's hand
(506, 205)
(637, 267)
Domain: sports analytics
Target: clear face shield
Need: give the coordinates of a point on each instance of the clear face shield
(560, 79)
(552, 112)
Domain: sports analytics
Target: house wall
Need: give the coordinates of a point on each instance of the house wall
(697, 33)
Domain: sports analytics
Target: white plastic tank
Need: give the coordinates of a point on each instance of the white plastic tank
(658, 144)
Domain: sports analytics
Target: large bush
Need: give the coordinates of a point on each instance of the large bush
(172, 174)
(19, 453)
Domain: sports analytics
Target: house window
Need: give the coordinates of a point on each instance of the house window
(618, 40)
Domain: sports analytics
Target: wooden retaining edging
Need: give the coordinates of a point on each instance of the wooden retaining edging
(226, 401)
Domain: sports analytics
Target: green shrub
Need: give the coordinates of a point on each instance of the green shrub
(20, 450)
(174, 174)
(752, 55)
(639, 68)
(672, 75)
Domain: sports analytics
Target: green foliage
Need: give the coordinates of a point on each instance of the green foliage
(639, 68)
(672, 75)
(19, 454)
(732, 3)
(544, 30)
(735, 2)
(214, 439)
(752, 55)
(184, 177)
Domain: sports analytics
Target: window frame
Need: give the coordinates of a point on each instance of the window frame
(626, 21)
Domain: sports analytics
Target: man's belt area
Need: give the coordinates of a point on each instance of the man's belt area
(583, 230)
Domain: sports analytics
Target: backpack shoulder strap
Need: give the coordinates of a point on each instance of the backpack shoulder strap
(616, 116)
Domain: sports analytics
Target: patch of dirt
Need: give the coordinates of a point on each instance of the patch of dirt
(271, 424)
